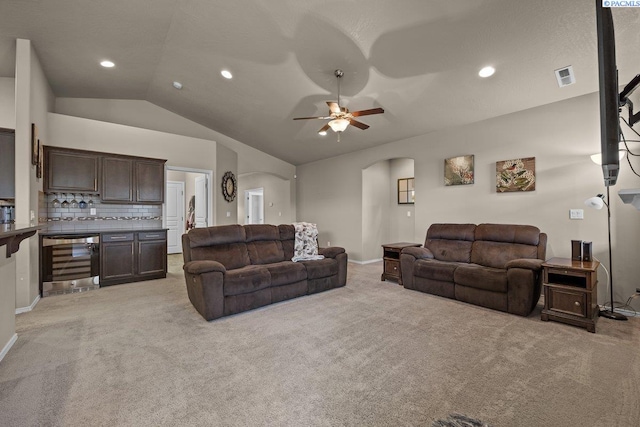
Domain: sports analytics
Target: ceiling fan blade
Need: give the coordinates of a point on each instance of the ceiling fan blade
(367, 112)
(306, 118)
(324, 128)
(358, 124)
(333, 107)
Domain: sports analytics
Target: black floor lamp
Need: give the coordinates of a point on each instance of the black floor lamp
(597, 203)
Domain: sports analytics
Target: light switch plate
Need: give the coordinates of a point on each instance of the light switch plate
(576, 214)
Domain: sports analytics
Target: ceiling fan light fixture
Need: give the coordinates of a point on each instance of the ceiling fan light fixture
(226, 74)
(107, 64)
(322, 133)
(339, 125)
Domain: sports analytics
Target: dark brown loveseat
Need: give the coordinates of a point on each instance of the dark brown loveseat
(492, 265)
(234, 268)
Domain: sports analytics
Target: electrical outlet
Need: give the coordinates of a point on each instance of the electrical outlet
(228, 214)
(576, 214)
(328, 243)
(92, 211)
(409, 213)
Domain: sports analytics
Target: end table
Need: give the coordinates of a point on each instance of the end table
(570, 292)
(391, 258)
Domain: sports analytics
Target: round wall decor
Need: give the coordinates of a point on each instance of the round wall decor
(229, 186)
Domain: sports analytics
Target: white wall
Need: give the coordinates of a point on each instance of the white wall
(375, 209)
(277, 194)
(561, 136)
(401, 226)
(7, 102)
(226, 212)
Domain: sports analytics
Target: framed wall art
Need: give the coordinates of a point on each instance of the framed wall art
(516, 175)
(458, 170)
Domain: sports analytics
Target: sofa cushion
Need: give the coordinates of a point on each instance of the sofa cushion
(450, 242)
(265, 252)
(287, 237)
(508, 233)
(246, 280)
(435, 270)
(231, 255)
(321, 268)
(479, 277)
(498, 254)
(256, 232)
(286, 272)
(199, 237)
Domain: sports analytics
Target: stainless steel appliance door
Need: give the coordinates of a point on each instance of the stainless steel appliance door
(70, 264)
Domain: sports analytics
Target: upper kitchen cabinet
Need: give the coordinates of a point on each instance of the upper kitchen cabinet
(132, 180)
(149, 181)
(7, 164)
(68, 170)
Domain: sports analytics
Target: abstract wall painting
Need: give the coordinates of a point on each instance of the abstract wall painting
(516, 175)
(458, 170)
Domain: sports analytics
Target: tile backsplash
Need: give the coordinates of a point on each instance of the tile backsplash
(107, 215)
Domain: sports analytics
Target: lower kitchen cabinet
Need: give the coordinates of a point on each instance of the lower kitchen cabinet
(132, 256)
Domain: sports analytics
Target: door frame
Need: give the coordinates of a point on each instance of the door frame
(248, 204)
(209, 174)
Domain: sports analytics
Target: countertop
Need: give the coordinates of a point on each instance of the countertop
(103, 231)
(8, 230)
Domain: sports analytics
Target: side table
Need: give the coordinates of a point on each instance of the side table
(391, 258)
(570, 292)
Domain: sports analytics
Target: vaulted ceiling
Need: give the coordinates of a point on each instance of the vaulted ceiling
(417, 59)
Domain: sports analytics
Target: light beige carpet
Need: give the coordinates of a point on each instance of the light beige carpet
(371, 353)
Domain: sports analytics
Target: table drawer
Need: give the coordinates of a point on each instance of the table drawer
(567, 301)
(117, 237)
(152, 235)
(392, 267)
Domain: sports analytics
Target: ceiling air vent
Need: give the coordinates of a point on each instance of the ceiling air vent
(565, 76)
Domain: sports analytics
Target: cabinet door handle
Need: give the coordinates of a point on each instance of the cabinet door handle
(577, 303)
(152, 235)
(117, 237)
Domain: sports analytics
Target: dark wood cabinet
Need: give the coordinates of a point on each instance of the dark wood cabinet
(70, 171)
(7, 164)
(117, 180)
(391, 259)
(149, 181)
(132, 256)
(132, 180)
(570, 292)
(117, 258)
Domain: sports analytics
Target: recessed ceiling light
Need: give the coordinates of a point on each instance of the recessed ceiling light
(107, 64)
(487, 72)
(226, 74)
(177, 85)
(323, 133)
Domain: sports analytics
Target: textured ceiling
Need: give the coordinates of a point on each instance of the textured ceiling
(417, 59)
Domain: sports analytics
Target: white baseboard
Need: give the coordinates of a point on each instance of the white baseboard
(7, 347)
(370, 261)
(29, 308)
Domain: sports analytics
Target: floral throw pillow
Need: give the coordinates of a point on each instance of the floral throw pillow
(306, 242)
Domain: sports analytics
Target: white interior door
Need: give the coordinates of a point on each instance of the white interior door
(175, 216)
(201, 201)
(254, 206)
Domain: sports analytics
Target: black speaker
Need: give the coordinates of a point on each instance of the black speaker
(576, 250)
(587, 254)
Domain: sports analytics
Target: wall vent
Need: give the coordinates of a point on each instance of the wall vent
(565, 76)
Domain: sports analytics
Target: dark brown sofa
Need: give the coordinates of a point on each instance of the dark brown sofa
(492, 265)
(234, 268)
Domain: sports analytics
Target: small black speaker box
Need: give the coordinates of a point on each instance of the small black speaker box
(576, 250)
(587, 255)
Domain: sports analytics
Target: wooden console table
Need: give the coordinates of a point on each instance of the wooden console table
(570, 292)
(391, 258)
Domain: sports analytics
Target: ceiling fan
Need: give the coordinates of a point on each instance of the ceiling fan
(340, 117)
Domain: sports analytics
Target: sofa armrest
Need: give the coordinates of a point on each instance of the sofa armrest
(417, 253)
(201, 267)
(528, 263)
(331, 252)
